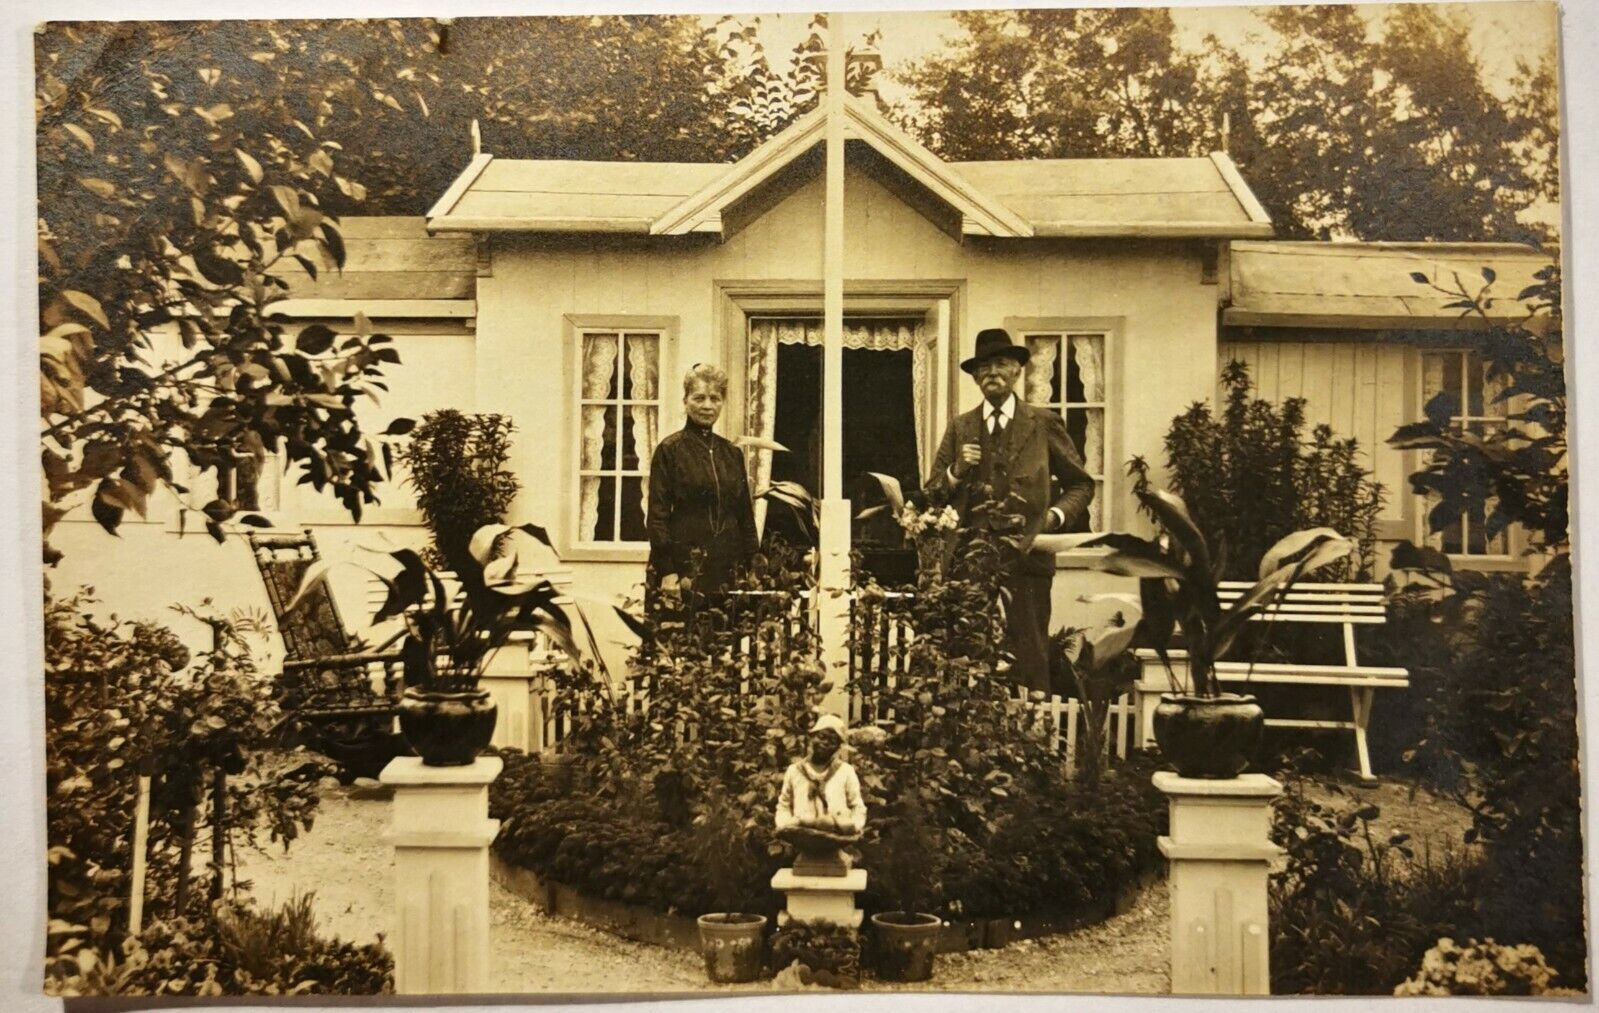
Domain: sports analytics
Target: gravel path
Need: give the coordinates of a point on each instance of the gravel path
(344, 861)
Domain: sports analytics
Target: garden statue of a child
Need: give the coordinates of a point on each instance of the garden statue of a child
(820, 810)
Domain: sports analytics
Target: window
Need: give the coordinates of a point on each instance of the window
(619, 411)
(1474, 406)
(1067, 373)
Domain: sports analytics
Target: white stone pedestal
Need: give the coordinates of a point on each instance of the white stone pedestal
(441, 834)
(1220, 851)
(828, 899)
(517, 679)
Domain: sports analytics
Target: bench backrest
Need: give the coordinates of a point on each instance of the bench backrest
(1338, 604)
(312, 629)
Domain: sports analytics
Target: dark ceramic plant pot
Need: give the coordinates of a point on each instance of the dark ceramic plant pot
(447, 728)
(1208, 737)
(731, 945)
(906, 944)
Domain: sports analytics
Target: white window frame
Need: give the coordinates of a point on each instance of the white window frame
(1108, 330)
(577, 326)
(1512, 535)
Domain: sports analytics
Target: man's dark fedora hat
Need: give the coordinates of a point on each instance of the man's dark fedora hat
(996, 342)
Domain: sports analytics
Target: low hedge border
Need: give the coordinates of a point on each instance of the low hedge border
(646, 925)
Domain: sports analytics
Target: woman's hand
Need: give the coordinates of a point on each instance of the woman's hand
(669, 583)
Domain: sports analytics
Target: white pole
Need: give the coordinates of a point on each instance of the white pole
(834, 536)
(833, 270)
(141, 836)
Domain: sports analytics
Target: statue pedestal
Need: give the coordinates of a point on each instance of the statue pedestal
(828, 899)
(1220, 852)
(441, 833)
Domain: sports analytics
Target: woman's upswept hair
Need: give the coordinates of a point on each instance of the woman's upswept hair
(706, 374)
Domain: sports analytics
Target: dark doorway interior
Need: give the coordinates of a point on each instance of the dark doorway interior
(879, 417)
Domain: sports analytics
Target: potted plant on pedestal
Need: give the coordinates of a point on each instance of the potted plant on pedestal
(452, 633)
(1204, 732)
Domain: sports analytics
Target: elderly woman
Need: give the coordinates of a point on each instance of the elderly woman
(699, 496)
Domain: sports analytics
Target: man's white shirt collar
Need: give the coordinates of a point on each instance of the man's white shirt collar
(1006, 410)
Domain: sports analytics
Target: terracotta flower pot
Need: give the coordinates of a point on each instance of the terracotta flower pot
(447, 728)
(1208, 737)
(731, 945)
(906, 944)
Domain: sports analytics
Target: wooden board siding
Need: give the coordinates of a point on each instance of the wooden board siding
(1356, 387)
(390, 258)
(1369, 285)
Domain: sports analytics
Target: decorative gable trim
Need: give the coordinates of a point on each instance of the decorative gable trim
(458, 189)
(980, 213)
(702, 211)
(1241, 193)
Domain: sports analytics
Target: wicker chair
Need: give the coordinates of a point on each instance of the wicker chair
(338, 695)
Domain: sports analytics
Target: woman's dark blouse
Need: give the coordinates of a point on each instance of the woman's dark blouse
(699, 499)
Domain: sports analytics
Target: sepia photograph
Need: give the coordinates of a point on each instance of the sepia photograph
(1067, 500)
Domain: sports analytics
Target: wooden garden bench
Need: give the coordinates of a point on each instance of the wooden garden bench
(1341, 605)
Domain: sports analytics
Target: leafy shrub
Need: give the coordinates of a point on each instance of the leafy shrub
(1252, 475)
(1494, 697)
(827, 954)
(126, 698)
(1352, 914)
(232, 949)
(456, 464)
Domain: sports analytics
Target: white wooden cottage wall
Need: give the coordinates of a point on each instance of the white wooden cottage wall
(1164, 354)
(1359, 388)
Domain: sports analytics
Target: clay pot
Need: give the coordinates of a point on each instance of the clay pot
(447, 728)
(1208, 737)
(906, 944)
(732, 946)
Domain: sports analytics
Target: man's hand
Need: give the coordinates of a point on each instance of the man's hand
(669, 583)
(971, 456)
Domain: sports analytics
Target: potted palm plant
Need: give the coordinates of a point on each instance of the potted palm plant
(1204, 732)
(451, 633)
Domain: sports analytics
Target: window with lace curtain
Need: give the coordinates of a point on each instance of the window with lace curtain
(1067, 373)
(1472, 396)
(619, 411)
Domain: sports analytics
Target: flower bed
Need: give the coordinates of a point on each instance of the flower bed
(972, 815)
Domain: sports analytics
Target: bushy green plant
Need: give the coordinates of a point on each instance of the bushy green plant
(123, 699)
(1493, 671)
(1251, 475)
(1352, 913)
(455, 462)
(1513, 473)
(233, 949)
(827, 954)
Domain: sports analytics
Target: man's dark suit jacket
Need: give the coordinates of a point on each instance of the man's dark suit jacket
(1035, 458)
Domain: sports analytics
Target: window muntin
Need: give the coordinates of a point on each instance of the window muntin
(1066, 374)
(1474, 406)
(619, 411)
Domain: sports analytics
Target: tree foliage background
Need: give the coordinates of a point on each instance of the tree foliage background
(1344, 128)
(180, 161)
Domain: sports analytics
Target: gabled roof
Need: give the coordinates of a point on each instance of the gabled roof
(1150, 197)
(1368, 286)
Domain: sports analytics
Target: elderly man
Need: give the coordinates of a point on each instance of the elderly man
(1006, 446)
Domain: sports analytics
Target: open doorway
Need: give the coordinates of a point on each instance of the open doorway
(881, 412)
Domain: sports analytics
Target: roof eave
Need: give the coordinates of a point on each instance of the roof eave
(471, 223)
(1152, 230)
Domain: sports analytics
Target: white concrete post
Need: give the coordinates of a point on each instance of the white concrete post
(1220, 852)
(833, 573)
(441, 834)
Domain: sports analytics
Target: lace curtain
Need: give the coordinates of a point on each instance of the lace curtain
(1075, 388)
(766, 333)
(618, 435)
